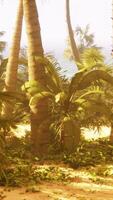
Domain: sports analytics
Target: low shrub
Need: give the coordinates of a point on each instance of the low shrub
(90, 154)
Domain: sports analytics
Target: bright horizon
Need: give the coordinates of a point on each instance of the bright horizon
(54, 28)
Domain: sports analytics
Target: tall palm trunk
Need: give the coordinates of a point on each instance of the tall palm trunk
(39, 113)
(111, 134)
(12, 65)
(74, 48)
(112, 28)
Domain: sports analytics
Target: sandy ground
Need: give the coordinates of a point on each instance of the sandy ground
(75, 190)
(89, 134)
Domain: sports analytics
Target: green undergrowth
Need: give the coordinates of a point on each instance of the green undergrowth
(91, 154)
(25, 173)
(22, 168)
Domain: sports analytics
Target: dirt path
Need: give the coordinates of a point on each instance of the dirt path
(79, 185)
(60, 191)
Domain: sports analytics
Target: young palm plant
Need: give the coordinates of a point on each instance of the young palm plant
(92, 58)
(65, 105)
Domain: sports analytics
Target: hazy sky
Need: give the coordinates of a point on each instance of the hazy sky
(97, 13)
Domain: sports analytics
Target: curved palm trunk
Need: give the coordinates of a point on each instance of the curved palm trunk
(39, 114)
(74, 48)
(12, 65)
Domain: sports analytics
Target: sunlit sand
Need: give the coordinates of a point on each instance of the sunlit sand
(94, 134)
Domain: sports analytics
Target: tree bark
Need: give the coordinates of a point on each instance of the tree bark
(75, 51)
(12, 65)
(39, 113)
(111, 134)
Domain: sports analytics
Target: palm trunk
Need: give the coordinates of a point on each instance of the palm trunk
(74, 48)
(35, 47)
(12, 65)
(112, 29)
(39, 114)
(111, 134)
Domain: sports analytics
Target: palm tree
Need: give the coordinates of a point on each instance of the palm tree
(2, 45)
(111, 134)
(112, 30)
(75, 51)
(36, 73)
(85, 40)
(12, 65)
(71, 107)
(35, 47)
(93, 59)
(85, 37)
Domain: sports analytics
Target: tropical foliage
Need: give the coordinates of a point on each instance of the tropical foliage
(34, 92)
(69, 106)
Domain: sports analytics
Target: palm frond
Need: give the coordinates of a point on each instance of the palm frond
(91, 57)
(94, 75)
